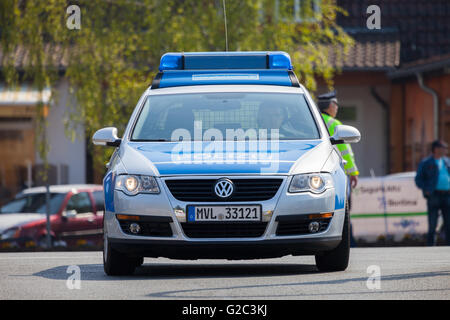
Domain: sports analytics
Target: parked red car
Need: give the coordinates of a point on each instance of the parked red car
(76, 217)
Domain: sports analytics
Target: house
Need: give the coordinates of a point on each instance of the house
(394, 83)
(420, 110)
(364, 91)
(20, 164)
(393, 86)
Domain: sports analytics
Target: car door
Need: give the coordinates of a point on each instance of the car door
(99, 200)
(79, 223)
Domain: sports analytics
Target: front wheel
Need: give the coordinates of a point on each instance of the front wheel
(116, 263)
(337, 259)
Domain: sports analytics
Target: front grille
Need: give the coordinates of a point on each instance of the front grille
(150, 229)
(224, 229)
(202, 190)
(300, 226)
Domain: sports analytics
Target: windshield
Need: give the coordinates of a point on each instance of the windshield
(223, 116)
(34, 203)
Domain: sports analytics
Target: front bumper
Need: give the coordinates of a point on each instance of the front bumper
(180, 243)
(235, 250)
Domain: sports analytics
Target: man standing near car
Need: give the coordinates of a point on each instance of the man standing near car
(328, 105)
(433, 178)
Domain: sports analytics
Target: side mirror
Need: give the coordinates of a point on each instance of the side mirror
(69, 214)
(106, 137)
(345, 134)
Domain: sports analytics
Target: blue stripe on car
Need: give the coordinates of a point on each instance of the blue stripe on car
(279, 160)
(340, 186)
(108, 187)
(224, 168)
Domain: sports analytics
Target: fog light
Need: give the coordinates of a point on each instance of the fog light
(135, 228)
(314, 226)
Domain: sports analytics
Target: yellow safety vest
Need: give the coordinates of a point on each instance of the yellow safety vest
(345, 149)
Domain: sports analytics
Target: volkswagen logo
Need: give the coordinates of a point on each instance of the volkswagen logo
(224, 188)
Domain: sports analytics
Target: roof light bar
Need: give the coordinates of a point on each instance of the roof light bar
(204, 77)
(171, 61)
(280, 60)
(242, 60)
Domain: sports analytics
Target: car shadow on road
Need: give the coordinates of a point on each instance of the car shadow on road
(183, 271)
(295, 289)
(164, 271)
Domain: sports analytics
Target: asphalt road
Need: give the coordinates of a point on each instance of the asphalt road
(404, 273)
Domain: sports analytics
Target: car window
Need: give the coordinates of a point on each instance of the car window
(34, 203)
(99, 200)
(226, 113)
(80, 202)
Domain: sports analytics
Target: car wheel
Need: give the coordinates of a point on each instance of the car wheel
(116, 263)
(139, 261)
(337, 259)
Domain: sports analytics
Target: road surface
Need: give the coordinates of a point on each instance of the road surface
(403, 273)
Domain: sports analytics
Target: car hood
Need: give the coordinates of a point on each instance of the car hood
(209, 158)
(11, 220)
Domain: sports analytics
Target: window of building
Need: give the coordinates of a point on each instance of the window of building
(297, 10)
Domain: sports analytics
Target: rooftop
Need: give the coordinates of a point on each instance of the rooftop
(372, 51)
(430, 64)
(423, 25)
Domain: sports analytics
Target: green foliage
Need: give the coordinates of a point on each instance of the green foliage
(112, 59)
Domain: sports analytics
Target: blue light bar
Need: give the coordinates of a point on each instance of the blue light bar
(243, 60)
(210, 68)
(204, 77)
(225, 60)
(171, 61)
(280, 60)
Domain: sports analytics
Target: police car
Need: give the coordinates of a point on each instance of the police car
(225, 156)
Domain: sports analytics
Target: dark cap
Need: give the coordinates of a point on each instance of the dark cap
(438, 144)
(325, 99)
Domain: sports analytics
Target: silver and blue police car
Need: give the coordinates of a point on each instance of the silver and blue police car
(225, 156)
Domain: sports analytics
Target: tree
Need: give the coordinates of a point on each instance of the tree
(111, 59)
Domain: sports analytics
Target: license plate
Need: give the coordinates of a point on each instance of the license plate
(224, 213)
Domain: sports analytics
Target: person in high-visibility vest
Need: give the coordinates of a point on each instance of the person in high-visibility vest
(328, 106)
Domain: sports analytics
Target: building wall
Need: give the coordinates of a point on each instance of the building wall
(17, 135)
(69, 157)
(396, 123)
(418, 124)
(412, 119)
(441, 84)
(354, 90)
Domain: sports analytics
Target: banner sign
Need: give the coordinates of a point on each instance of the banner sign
(390, 207)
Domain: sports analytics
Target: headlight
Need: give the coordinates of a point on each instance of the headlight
(134, 184)
(313, 182)
(10, 233)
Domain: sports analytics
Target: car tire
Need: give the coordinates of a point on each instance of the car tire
(116, 263)
(139, 261)
(338, 258)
